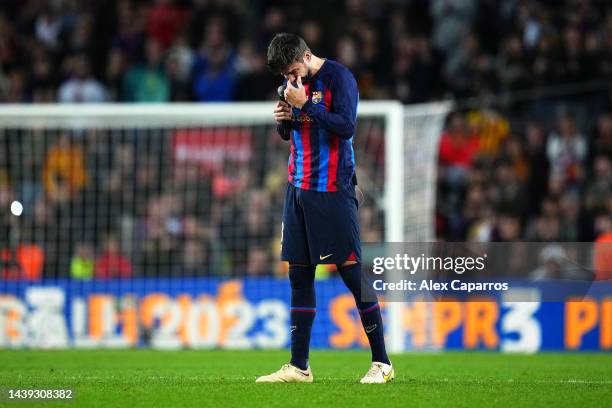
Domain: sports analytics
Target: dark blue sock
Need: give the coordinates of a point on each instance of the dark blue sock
(303, 308)
(369, 312)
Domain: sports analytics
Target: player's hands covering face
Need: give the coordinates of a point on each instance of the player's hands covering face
(296, 97)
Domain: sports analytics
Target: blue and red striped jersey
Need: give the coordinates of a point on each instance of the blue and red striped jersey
(322, 156)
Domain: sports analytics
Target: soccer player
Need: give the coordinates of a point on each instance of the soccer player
(320, 224)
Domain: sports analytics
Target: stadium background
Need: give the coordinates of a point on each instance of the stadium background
(123, 229)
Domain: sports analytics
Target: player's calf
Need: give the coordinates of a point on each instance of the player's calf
(369, 311)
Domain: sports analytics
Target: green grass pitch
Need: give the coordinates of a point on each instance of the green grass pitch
(145, 378)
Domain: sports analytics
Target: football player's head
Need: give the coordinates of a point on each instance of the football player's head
(289, 55)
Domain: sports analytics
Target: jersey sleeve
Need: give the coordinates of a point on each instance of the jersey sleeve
(284, 132)
(342, 118)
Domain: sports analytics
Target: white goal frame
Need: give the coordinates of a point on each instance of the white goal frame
(397, 126)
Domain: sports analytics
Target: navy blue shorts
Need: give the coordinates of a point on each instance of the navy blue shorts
(320, 227)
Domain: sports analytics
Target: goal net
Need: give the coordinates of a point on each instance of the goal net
(159, 225)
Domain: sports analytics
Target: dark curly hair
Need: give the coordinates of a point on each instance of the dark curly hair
(285, 49)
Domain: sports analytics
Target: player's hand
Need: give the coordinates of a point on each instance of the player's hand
(282, 112)
(296, 97)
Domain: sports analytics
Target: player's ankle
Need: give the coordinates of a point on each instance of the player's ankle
(299, 366)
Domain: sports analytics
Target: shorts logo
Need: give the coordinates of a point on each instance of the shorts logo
(321, 257)
(317, 96)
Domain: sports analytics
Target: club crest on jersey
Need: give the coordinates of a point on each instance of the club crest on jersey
(317, 96)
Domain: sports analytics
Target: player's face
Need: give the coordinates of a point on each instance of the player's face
(298, 69)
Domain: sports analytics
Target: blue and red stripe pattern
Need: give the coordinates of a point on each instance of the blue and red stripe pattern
(303, 309)
(369, 309)
(320, 160)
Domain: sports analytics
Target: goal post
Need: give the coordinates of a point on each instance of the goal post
(180, 169)
(411, 142)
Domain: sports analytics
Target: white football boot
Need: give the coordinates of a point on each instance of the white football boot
(379, 373)
(287, 373)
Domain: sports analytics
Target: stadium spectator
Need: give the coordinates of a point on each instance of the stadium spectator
(7, 41)
(458, 149)
(566, 150)
(412, 70)
(130, 35)
(452, 19)
(554, 264)
(508, 228)
(147, 82)
(164, 21)
(113, 75)
(9, 268)
(255, 82)
(241, 232)
(178, 65)
(600, 186)
(572, 64)
(30, 259)
(370, 223)
(214, 74)
(81, 87)
(48, 28)
(602, 254)
(42, 81)
(258, 262)
(200, 254)
(195, 260)
(147, 184)
(507, 193)
(535, 152)
(161, 229)
(64, 172)
(602, 143)
(492, 130)
(15, 90)
(193, 188)
(79, 31)
(111, 263)
(512, 65)
(43, 230)
(82, 263)
(572, 229)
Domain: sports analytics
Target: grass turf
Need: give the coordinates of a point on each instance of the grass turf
(145, 378)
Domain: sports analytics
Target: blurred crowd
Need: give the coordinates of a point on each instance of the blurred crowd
(498, 182)
(529, 158)
(214, 50)
(107, 203)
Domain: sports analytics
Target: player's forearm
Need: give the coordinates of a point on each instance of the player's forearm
(339, 124)
(284, 132)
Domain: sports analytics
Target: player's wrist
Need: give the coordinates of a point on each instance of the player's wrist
(306, 105)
